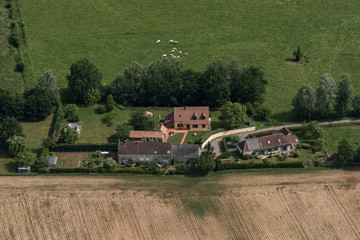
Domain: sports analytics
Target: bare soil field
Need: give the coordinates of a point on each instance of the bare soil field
(257, 205)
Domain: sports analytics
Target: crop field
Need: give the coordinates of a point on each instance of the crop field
(301, 204)
(113, 34)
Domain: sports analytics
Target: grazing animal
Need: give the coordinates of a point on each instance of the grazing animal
(164, 55)
(175, 42)
(180, 52)
(158, 41)
(175, 48)
(172, 51)
(186, 53)
(171, 41)
(173, 57)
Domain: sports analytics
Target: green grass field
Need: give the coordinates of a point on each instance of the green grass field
(333, 135)
(35, 132)
(113, 34)
(176, 138)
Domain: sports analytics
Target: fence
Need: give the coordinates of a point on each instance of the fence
(227, 133)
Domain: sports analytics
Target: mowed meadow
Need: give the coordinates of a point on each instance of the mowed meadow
(300, 204)
(113, 34)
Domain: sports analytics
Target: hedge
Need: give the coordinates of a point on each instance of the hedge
(58, 119)
(43, 155)
(224, 145)
(292, 164)
(84, 147)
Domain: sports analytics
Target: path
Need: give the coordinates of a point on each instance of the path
(216, 143)
(185, 132)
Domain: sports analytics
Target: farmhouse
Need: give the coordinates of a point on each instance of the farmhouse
(189, 118)
(145, 152)
(184, 152)
(279, 142)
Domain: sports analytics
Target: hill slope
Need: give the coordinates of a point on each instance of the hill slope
(114, 33)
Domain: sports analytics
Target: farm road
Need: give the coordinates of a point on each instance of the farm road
(216, 143)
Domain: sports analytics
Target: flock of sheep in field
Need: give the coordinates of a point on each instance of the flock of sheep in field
(173, 50)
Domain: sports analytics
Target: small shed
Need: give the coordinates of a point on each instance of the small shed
(25, 169)
(52, 160)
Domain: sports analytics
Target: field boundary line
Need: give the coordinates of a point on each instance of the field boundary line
(279, 191)
(342, 209)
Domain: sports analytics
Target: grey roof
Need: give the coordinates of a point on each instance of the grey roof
(145, 148)
(52, 160)
(186, 150)
(253, 145)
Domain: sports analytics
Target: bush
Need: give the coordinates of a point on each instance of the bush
(59, 117)
(71, 113)
(224, 145)
(246, 157)
(20, 67)
(296, 154)
(101, 109)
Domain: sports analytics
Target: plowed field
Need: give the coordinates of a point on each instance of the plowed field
(299, 205)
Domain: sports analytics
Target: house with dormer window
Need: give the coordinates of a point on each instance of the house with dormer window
(189, 118)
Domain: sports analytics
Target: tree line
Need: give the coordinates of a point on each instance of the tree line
(328, 100)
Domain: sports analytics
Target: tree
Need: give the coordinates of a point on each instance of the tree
(11, 105)
(110, 164)
(46, 85)
(304, 102)
(110, 103)
(123, 132)
(326, 95)
(312, 131)
(190, 87)
(17, 144)
(298, 54)
(248, 85)
(357, 156)
(26, 158)
(345, 151)
(356, 105)
(92, 96)
(83, 77)
(205, 163)
(216, 84)
(71, 113)
(69, 135)
(343, 95)
(234, 139)
(233, 115)
(49, 142)
(263, 113)
(128, 88)
(37, 105)
(140, 121)
(108, 119)
(10, 127)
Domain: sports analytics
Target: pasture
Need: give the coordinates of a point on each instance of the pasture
(333, 135)
(113, 34)
(301, 204)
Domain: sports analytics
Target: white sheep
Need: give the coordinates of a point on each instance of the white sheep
(175, 48)
(175, 42)
(158, 41)
(180, 52)
(172, 51)
(171, 41)
(164, 55)
(186, 53)
(173, 57)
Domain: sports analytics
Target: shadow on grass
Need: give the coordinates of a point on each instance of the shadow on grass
(287, 116)
(112, 139)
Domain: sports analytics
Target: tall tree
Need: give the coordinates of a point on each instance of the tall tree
(37, 105)
(11, 105)
(26, 158)
(17, 144)
(205, 163)
(46, 86)
(304, 102)
(128, 88)
(326, 95)
(140, 121)
(216, 84)
(356, 105)
(10, 127)
(233, 115)
(344, 95)
(190, 87)
(69, 135)
(110, 103)
(83, 77)
(248, 85)
(345, 151)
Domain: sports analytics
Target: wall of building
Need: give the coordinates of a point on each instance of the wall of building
(144, 158)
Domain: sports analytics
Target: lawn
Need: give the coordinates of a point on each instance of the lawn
(95, 131)
(113, 34)
(36, 131)
(333, 135)
(176, 138)
(191, 139)
(4, 159)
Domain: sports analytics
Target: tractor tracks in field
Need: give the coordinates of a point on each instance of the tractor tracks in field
(299, 227)
(342, 209)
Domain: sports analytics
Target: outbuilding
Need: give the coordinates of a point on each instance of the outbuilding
(52, 160)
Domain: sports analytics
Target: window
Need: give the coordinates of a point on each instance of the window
(179, 115)
(179, 125)
(203, 126)
(195, 126)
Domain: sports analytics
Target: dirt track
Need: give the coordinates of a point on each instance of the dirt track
(315, 205)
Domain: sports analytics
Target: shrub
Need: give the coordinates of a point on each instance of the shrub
(71, 113)
(108, 119)
(101, 109)
(296, 154)
(246, 157)
(20, 67)
(224, 145)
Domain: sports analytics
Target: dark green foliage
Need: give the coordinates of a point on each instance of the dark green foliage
(248, 85)
(343, 95)
(11, 105)
(356, 105)
(224, 145)
(233, 115)
(85, 147)
(83, 77)
(49, 142)
(234, 139)
(58, 119)
(17, 144)
(72, 113)
(46, 86)
(110, 103)
(92, 96)
(123, 132)
(326, 95)
(190, 87)
(140, 121)
(101, 109)
(216, 84)
(315, 134)
(298, 54)
(26, 158)
(205, 163)
(263, 113)
(345, 151)
(8, 128)
(69, 135)
(292, 164)
(37, 105)
(304, 102)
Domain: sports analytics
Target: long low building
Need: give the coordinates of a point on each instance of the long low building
(157, 152)
(279, 142)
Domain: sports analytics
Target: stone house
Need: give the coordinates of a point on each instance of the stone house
(189, 118)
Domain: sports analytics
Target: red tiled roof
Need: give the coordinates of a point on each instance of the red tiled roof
(163, 129)
(146, 134)
(186, 115)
